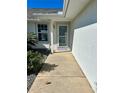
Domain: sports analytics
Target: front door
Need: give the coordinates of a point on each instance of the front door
(63, 36)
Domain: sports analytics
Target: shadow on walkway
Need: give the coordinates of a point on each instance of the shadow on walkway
(48, 67)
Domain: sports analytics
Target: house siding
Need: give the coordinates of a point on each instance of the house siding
(31, 27)
(83, 38)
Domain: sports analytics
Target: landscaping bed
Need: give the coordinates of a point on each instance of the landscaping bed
(35, 61)
(30, 79)
(35, 58)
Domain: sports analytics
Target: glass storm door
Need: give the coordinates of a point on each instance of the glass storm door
(62, 35)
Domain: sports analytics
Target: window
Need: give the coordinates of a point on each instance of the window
(42, 32)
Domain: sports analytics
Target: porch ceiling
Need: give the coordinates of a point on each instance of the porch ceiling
(74, 7)
(71, 9)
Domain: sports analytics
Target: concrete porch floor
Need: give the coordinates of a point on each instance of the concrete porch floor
(61, 74)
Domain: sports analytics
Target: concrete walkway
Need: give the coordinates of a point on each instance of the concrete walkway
(60, 74)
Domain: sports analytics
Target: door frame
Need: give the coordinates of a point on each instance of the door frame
(63, 24)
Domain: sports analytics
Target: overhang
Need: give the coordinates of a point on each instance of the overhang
(71, 8)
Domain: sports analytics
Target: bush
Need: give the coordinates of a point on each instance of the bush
(31, 40)
(34, 60)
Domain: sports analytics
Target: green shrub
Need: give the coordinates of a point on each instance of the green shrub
(34, 60)
(31, 40)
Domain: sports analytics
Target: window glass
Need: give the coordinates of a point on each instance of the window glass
(42, 32)
(62, 35)
(44, 37)
(39, 36)
(62, 30)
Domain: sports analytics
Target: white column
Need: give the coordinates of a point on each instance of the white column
(51, 35)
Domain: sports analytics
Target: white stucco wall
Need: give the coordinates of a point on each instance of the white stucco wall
(84, 43)
(84, 51)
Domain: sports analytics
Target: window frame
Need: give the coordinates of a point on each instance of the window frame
(44, 31)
